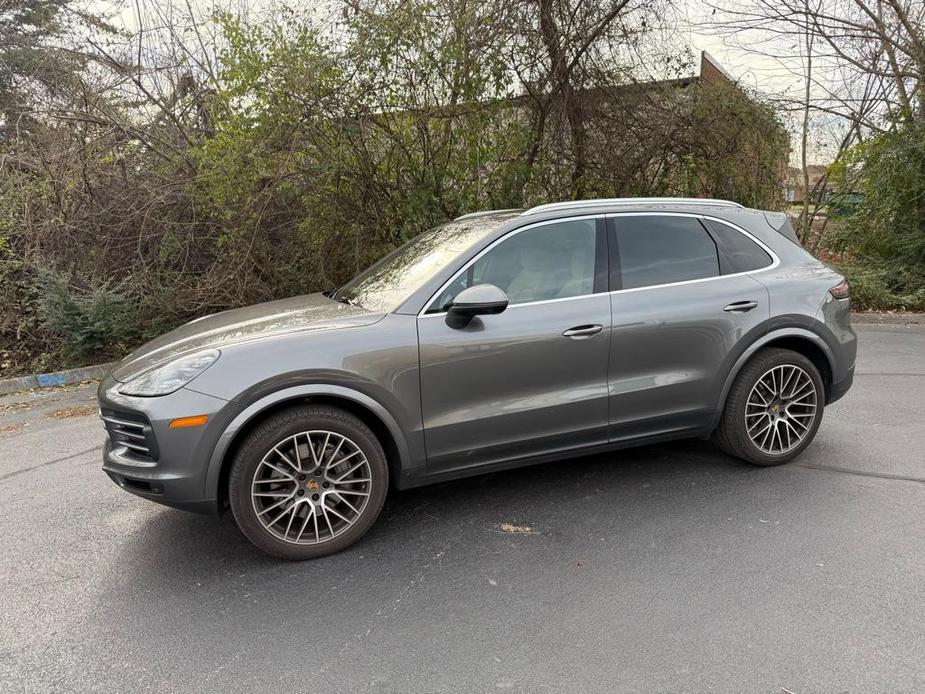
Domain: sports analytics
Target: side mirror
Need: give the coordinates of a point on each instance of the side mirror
(480, 300)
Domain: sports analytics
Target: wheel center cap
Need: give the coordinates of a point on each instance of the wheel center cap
(312, 485)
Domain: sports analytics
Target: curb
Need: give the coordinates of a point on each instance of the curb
(887, 318)
(55, 378)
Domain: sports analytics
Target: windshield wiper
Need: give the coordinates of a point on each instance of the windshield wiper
(332, 294)
(341, 299)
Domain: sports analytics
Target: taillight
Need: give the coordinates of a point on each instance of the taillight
(840, 290)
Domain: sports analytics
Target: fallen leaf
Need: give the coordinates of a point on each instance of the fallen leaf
(516, 529)
(71, 412)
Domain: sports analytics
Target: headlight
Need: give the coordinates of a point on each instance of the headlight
(171, 376)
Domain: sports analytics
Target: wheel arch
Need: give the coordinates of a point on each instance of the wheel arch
(799, 340)
(365, 408)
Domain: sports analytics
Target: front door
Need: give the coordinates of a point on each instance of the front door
(533, 379)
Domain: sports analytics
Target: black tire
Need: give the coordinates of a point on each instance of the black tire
(732, 435)
(269, 434)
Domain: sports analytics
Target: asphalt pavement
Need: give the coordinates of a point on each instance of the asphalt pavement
(669, 568)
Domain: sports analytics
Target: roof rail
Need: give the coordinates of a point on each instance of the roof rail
(569, 204)
(485, 213)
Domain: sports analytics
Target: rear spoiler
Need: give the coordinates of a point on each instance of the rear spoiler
(780, 222)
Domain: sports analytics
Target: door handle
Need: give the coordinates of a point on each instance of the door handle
(580, 331)
(740, 306)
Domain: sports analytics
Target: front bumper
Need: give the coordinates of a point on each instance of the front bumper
(158, 463)
(167, 489)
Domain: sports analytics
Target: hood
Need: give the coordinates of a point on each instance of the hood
(298, 313)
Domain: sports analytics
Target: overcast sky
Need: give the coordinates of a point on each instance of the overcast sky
(737, 52)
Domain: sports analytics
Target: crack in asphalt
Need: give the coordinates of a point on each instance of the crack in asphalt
(63, 459)
(861, 473)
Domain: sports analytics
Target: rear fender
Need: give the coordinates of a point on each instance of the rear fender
(763, 341)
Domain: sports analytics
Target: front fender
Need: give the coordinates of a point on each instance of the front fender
(216, 461)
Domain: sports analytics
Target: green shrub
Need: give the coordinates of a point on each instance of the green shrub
(880, 223)
(882, 288)
(91, 324)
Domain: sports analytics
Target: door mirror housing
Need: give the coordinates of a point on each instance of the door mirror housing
(480, 300)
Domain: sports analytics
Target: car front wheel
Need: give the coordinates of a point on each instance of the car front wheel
(773, 409)
(307, 482)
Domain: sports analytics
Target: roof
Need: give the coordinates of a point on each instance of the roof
(636, 202)
(597, 204)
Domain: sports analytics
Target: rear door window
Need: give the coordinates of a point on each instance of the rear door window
(655, 249)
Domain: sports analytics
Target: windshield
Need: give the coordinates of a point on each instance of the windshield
(384, 286)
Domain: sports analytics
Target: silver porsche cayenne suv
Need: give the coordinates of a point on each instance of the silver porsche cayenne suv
(497, 340)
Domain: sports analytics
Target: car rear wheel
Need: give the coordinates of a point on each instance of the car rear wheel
(307, 482)
(773, 409)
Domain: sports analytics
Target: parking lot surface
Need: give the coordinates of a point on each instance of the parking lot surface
(669, 568)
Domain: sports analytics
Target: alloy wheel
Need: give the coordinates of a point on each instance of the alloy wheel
(311, 487)
(780, 409)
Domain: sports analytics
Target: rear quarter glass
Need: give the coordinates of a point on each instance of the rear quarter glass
(780, 222)
(737, 252)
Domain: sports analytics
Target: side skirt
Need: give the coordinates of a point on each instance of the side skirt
(423, 480)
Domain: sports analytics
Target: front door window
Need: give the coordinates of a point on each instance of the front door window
(551, 261)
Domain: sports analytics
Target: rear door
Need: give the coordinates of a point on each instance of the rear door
(683, 305)
(533, 379)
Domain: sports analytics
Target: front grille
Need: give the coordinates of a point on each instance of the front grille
(131, 430)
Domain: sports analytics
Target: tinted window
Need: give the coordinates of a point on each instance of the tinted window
(737, 252)
(553, 261)
(660, 250)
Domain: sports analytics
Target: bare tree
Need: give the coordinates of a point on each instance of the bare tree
(864, 61)
(562, 49)
(808, 37)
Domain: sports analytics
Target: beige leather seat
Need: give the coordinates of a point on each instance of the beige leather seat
(537, 278)
(581, 266)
